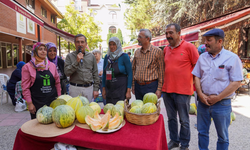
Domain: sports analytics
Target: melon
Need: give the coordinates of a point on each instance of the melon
(75, 103)
(192, 109)
(121, 103)
(82, 112)
(148, 108)
(84, 100)
(150, 98)
(137, 103)
(193, 104)
(233, 116)
(135, 109)
(65, 97)
(57, 102)
(108, 107)
(117, 108)
(96, 108)
(63, 116)
(44, 115)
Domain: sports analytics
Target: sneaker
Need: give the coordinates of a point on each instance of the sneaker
(172, 145)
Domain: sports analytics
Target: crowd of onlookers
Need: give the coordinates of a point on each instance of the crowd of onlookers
(171, 73)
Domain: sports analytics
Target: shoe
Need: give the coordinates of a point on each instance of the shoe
(184, 148)
(172, 145)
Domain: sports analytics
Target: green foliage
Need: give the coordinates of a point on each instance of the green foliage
(118, 35)
(76, 23)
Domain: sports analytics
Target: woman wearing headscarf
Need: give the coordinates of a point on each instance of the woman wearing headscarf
(40, 80)
(15, 77)
(52, 56)
(117, 73)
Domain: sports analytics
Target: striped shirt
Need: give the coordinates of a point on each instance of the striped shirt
(148, 65)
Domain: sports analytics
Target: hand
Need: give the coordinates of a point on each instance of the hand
(128, 94)
(212, 99)
(32, 108)
(158, 93)
(133, 90)
(103, 93)
(95, 94)
(100, 74)
(204, 98)
(79, 57)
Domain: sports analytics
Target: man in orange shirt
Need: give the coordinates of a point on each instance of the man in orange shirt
(180, 58)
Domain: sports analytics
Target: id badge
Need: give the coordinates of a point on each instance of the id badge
(109, 75)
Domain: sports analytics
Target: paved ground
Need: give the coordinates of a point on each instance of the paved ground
(239, 132)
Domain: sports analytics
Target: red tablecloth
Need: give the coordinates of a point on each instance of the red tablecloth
(129, 137)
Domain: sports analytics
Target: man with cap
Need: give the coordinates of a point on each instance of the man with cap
(218, 74)
(81, 67)
(180, 58)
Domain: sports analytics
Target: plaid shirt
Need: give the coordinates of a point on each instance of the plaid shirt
(18, 91)
(148, 65)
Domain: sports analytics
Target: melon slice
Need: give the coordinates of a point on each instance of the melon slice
(90, 120)
(95, 126)
(97, 116)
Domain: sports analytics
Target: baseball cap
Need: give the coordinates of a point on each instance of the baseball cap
(215, 32)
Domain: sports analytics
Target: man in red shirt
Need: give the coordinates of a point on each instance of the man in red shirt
(180, 58)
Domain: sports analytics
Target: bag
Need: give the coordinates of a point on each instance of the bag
(20, 105)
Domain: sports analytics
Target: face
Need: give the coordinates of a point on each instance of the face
(213, 46)
(172, 36)
(97, 56)
(80, 41)
(52, 53)
(142, 40)
(112, 46)
(42, 52)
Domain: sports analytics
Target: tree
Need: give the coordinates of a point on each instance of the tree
(76, 23)
(118, 35)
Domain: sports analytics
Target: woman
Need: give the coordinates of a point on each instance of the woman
(52, 56)
(40, 80)
(15, 77)
(117, 73)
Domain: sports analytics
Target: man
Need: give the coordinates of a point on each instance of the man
(81, 67)
(180, 59)
(147, 66)
(218, 74)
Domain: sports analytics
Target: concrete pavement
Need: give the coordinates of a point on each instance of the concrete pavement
(239, 133)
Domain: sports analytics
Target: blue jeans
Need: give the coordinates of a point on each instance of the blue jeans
(220, 112)
(141, 90)
(178, 103)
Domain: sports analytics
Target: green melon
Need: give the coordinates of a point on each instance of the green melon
(82, 112)
(148, 108)
(75, 103)
(44, 115)
(117, 108)
(107, 107)
(150, 97)
(63, 116)
(84, 100)
(121, 102)
(57, 102)
(135, 109)
(192, 109)
(137, 103)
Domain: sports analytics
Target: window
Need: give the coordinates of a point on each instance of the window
(113, 15)
(44, 12)
(31, 3)
(53, 18)
(112, 29)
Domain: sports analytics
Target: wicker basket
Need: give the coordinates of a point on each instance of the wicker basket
(141, 119)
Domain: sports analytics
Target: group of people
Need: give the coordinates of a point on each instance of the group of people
(171, 72)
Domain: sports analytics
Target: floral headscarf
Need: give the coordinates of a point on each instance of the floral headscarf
(50, 45)
(42, 64)
(202, 49)
(118, 52)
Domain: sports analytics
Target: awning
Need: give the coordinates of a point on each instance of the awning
(67, 36)
(22, 10)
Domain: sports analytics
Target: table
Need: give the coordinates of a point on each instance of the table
(129, 137)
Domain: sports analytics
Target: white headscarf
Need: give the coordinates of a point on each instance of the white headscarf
(118, 52)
